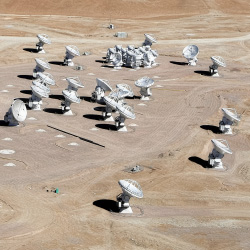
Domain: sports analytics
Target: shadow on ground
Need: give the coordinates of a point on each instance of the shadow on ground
(202, 72)
(31, 50)
(179, 63)
(28, 77)
(93, 117)
(106, 126)
(212, 128)
(57, 63)
(57, 97)
(199, 161)
(3, 123)
(26, 91)
(108, 205)
(53, 111)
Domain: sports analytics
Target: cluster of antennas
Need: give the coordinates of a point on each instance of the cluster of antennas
(133, 57)
(191, 52)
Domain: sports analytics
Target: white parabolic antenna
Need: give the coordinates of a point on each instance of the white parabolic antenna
(73, 50)
(39, 92)
(41, 86)
(144, 82)
(131, 187)
(219, 61)
(19, 110)
(44, 38)
(117, 60)
(221, 146)
(110, 101)
(126, 111)
(125, 87)
(71, 96)
(191, 51)
(46, 78)
(17, 113)
(103, 84)
(41, 63)
(74, 82)
(231, 114)
(150, 38)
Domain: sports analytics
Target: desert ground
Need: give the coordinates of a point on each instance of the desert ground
(185, 205)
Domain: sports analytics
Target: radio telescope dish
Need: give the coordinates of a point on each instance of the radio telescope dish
(218, 61)
(43, 39)
(125, 87)
(71, 52)
(46, 78)
(35, 100)
(110, 55)
(149, 40)
(126, 112)
(111, 103)
(39, 84)
(74, 83)
(101, 88)
(190, 53)
(230, 117)
(220, 148)
(130, 188)
(117, 60)
(145, 83)
(148, 59)
(41, 66)
(16, 113)
(70, 97)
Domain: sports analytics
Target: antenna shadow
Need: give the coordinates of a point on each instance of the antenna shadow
(25, 100)
(202, 72)
(100, 109)
(108, 66)
(31, 50)
(106, 126)
(212, 128)
(28, 77)
(93, 117)
(134, 97)
(100, 61)
(3, 123)
(109, 205)
(53, 111)
(86, 98)
(179, 63)
(199, 161)
(104, 57)
(27, 92)
(57, 63)
(57, 97)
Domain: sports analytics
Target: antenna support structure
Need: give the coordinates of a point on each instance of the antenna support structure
(130, 189)
(218, 61)
(230, 117)
(215, 157)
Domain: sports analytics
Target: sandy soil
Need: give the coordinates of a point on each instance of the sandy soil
(185, 205)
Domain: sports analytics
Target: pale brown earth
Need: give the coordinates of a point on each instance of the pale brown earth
(185, 205)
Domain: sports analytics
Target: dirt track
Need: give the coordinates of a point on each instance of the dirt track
(185, 205)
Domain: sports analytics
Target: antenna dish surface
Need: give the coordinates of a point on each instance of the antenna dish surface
(71, 96)
(104, 84)
(144, 82)
(73, 50)
(111, 101)
(126, 88)
(218, 60)
(39, 92)
(231, 114)
(19, 110)
(41, 86)
(46, 78)
(220, 147)
(131, 187)
(74, 81)
(190, 51)
(44, 38)
(126, 111)
(150, 38)
(42, 64)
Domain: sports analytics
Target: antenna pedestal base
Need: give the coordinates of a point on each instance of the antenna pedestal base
(192, 62)
(107, 116)
(123, 204)
(225, 129)
(213, 69)
(126, 210)
(35, 104)
(145, 98)
(68, 62)
(215, 162)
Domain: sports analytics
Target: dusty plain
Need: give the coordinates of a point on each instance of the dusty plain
(185, 204)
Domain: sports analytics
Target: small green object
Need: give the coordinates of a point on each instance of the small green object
(57, 191)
